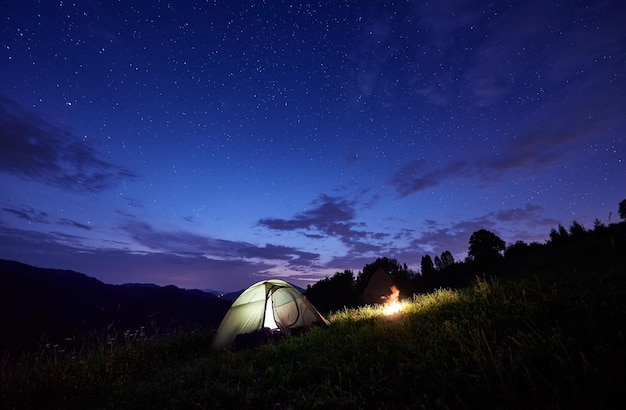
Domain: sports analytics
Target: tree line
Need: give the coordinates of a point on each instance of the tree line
(488, 256)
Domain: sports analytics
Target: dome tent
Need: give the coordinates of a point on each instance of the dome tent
(267, 304)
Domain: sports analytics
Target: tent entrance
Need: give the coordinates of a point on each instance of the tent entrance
(269, 320)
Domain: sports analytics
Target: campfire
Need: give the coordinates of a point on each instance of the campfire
(392, 305)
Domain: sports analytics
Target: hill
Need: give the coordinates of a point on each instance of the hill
(544, 330)
(548, 341)
(49, 305)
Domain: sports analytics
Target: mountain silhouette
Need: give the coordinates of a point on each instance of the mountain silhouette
(39, 305)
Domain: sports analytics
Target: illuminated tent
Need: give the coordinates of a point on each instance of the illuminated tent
(266, 305)
(380, 289)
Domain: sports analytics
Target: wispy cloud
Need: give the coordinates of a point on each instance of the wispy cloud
(29, 214)
(295, 258)
(416, 176)
(558, 136)
(570, 98)
(529, 212)
(330, 215)
(334, 217)
(74, 224)
(194, 260)
(187, 243)
(35, 149)
(511, 225)
(184, 258)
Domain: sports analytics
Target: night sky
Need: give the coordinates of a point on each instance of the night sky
(212, 144)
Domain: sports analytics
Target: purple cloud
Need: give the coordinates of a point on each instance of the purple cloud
(540, 148)
(436, 238)
(546, 143)
(414, 177)
(567, 101)
(275, 252)
(455, 237)
(74, 224)
(186, 243)
(29, 214)
(331, 215)
(196, 262)
(34, 149)
(519, 214)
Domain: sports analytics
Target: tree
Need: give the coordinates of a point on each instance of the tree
(485, 249)
(447, 259)
(517, 252)
(438, 263)
(558, 236)
(427, 266)
(598, 225)
(621, 209)
(485, 243)
(577, 230)
(442, 262)
(335, 293)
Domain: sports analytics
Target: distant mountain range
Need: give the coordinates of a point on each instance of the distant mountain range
(39, 305)
(231, 296)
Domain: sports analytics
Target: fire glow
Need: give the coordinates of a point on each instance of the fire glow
(392, 308)
(392, 305)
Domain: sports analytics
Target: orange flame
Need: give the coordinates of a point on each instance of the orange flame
(391, 302)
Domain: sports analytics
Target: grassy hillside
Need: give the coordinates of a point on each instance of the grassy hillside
(539, 342)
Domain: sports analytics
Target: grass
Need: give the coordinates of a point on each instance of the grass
(539, 342)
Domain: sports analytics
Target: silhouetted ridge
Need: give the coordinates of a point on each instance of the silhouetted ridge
(47, 305)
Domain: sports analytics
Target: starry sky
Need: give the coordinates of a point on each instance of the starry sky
(212, 144)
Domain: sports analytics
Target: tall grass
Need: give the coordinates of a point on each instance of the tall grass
(549, 342)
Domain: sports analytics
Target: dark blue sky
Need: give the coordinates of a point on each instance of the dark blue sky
(213, 144)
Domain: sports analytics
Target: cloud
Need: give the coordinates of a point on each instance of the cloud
(35, 149)
(74, 224)
(415, 176)
(533, 151)
(523, 35)
(196, 262)
(200, 261)
(28, 214)
(189, 244)
(179, 242)
(295, 258)
(331, 216)
(556, 137)
(335, 217)
(518, 214)
(510, 224)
